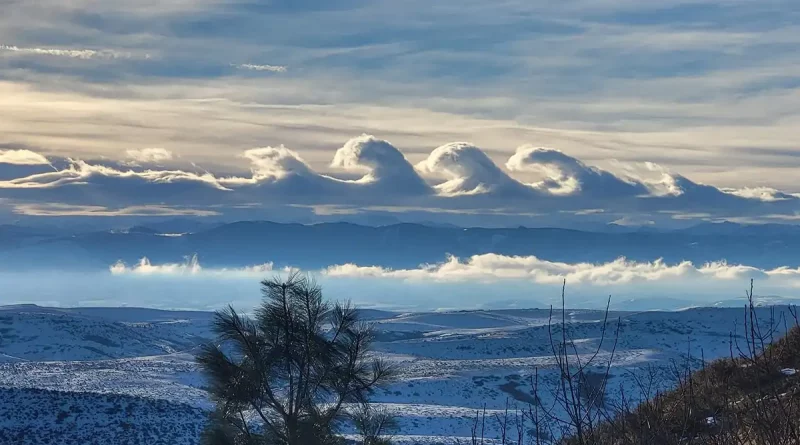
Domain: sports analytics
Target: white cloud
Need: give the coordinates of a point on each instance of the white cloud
(71, 53)
(657, 178)
(566, 175)
(494, 267)
(459, 178)
(22, 157)
(149, 155)
(81, 172)
(269, 68)
(632, 221)
(468, 171)
(190, 267)
(275, 163)
(59, 209)
(767, 194)
(380, 161)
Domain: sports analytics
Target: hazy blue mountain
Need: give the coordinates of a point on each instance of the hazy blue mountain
(399, 245)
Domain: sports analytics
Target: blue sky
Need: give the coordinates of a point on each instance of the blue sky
(646, 101)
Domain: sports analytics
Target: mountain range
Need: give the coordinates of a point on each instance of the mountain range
(316, 246)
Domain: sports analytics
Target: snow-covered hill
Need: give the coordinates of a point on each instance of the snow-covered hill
(35, 416)
(32, 333)
(451, 363)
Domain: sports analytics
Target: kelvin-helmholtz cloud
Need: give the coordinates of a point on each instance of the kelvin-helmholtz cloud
(369, 173)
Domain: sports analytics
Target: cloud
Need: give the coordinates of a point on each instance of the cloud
(71, 53)
(767, 194)
(566, 175)
(455, 181)
(382, 163)
(269, 68)
(149, 155)
(276, 163)
(632, 221)
(22, 157)
(490, 270)
(468, 171)
(190, 267)
(613, 86)
(58, 209)
(80, 172)
(674, 192)
(84, 183)
(495, 268)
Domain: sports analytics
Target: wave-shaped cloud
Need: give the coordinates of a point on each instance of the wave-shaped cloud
(469, 171)
(81, 173)
(382, 163)
(455, 177)
(565, 175)
(276, 163)
(767, 194)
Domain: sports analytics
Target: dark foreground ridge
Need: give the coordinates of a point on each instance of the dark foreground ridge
(751, 398)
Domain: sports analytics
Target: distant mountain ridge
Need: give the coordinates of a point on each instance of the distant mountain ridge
(403, 245)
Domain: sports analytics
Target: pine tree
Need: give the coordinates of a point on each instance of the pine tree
(287, 375)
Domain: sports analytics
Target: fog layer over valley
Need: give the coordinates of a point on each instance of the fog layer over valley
(403, 266)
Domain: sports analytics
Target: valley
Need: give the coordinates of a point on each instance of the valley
(128, 375)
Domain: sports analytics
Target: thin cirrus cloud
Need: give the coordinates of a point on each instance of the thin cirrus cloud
(72, 53)
(58, 209)
(86, 54)
(110, 54)
(255, 67)
(455, 177)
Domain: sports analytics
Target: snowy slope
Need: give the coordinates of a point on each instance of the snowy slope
(35, 416)
(451, 363)
(34, 333)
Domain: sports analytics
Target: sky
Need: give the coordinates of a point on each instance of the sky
(471, 112)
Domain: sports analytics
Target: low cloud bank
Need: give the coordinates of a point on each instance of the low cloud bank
(191, 266)
(494, 268)
(481, 281)
(476, 282)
